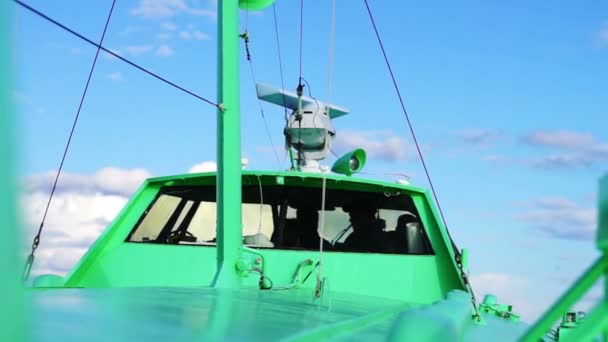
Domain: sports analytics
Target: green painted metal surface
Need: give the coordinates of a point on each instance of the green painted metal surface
(187, 314)
(211, 314)
(602, 230)
(597, 321)
(113, 262)
(124, 290)
(203, 313)
(152, 275)
(349, 163)
(11, 301)
(254, 5)
(228, 148)
(578, 289)
(229, 223)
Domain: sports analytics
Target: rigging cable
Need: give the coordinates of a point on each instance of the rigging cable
(330, 62)
(286, 115)
(261, 209)
(301, 34)
(300, 89)
(407, 117)
(114, 54)
(30, 259)
(319, 287)
(245, 37)
(426, 171)
(276, 32)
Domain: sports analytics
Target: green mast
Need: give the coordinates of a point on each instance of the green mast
(11, 296)
(229, 224)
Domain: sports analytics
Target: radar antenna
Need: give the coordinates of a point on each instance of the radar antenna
(310, 130)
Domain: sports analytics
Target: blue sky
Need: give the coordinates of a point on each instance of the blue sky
(508, 101)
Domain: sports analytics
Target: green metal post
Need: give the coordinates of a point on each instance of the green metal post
(229, 226)
(592, 327)
(229, 223)
(11, 294)
(602, 234)
(597, 318)
(602, 229)
(602, 237)
(574, 293)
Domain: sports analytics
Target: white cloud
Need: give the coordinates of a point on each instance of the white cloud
(135, 50)
(76, 51)
(509, 289)
(562, 161)
(575, 149)
(26, 101)
(185, 35)
(74, 221)
(497, 158)
(567, 139)
(82, 207)
(130, 30)
(109, 56)
(159, 9)
(479, 136)
(561, 218)
(603, 34)
(383, 145)
(21, 97)
(163, 36)
(169, 26)
(115, 76)
(205, 166)
(164, 51)
(196, 35)
(108, 180)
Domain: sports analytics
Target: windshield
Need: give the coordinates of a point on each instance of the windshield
(289, 218)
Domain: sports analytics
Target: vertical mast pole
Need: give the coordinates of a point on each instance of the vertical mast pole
(228, 209)
(229, 223)
(11, 294)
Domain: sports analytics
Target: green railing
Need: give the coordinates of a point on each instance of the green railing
(596, 322)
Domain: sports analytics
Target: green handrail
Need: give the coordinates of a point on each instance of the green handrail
(596, 321)
(580, 287)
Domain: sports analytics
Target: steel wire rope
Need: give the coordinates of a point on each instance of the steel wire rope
(276, 32)
(321, 233)
(319, 286)
(407, 117)
(330, 62)
(245, 37)
(261, 209)
(426, 171)
(300, 88)
(114, 54)
(274, 150)
(30, 259)
(301, 36)
(278, 44)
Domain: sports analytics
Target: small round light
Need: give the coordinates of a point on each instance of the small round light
(354, 163)
(349, 163)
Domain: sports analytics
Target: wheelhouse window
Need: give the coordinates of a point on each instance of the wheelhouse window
(289, 218)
